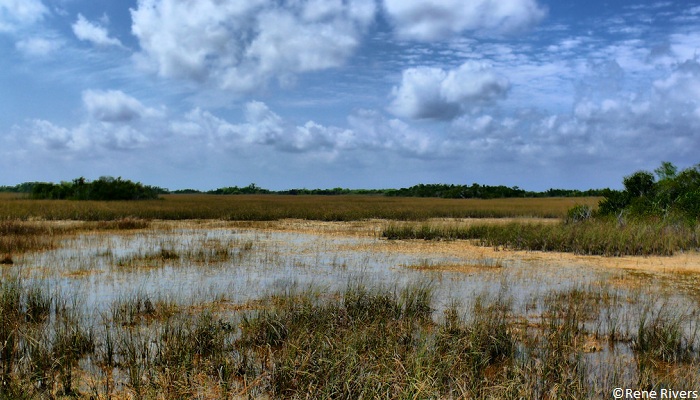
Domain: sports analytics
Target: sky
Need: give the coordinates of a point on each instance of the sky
(348, 93)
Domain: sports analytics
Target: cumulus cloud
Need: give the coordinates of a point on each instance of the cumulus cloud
(434, 20)
(116, 122)
(262, 128)
(114, 106)
(94, 33)
(87, 138)
(240, 46)
(47, 135)
(656, 122)
(15, 14)
(434, 93)
(377, 132)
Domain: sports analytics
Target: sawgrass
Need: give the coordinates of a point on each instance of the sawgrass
(275, 207)
(593, 237)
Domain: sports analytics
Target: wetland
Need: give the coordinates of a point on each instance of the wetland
(296, 308)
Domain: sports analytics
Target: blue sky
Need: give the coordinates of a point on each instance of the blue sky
(352, 93)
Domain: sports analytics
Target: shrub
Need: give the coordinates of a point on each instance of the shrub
(105, 188)
(674, 194)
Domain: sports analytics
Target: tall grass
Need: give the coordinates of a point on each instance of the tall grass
(274, 207)
(362, 342)
(18, 237)
(593, 237)
(661, 336)
(41, 342)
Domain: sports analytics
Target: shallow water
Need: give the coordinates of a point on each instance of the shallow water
(98, 267)
(194, 264)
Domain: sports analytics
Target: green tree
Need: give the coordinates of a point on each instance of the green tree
(666, 171)
(639, 184)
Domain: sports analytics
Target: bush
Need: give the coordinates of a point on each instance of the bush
(105, 188)
(674, 194)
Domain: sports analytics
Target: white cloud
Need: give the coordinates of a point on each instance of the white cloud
(116, 122)
(262, 127)
(47, 135)
(433, 93)
(678, 94)
(89, 137)
(15, 14)
(240, 46)
(38, 46)
(94, 33)
(122, 137)
(434, 20)
(115, 106)
(376, 133)
(607, 124)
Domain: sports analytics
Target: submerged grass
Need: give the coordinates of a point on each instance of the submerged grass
(18, 236)
(595, 237)
(208, 251)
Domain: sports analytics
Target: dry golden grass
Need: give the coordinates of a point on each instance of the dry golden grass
(274, 207)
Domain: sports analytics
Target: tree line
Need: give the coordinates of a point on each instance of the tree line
(108, 188)
(476, 191)
(665, 192)
(104, 188)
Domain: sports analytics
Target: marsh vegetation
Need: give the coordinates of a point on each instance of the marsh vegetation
(138, 300)
(275, 207)
(648, 217)
(264, 312)
(362, 341)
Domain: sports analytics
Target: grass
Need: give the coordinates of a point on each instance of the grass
(367, 340)
(594, 237)
(361, 342)
(207, 251)
(274, 207)
(18, 237)
(427, 265)
(661, 337)
(374, 343)
(139, 308)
